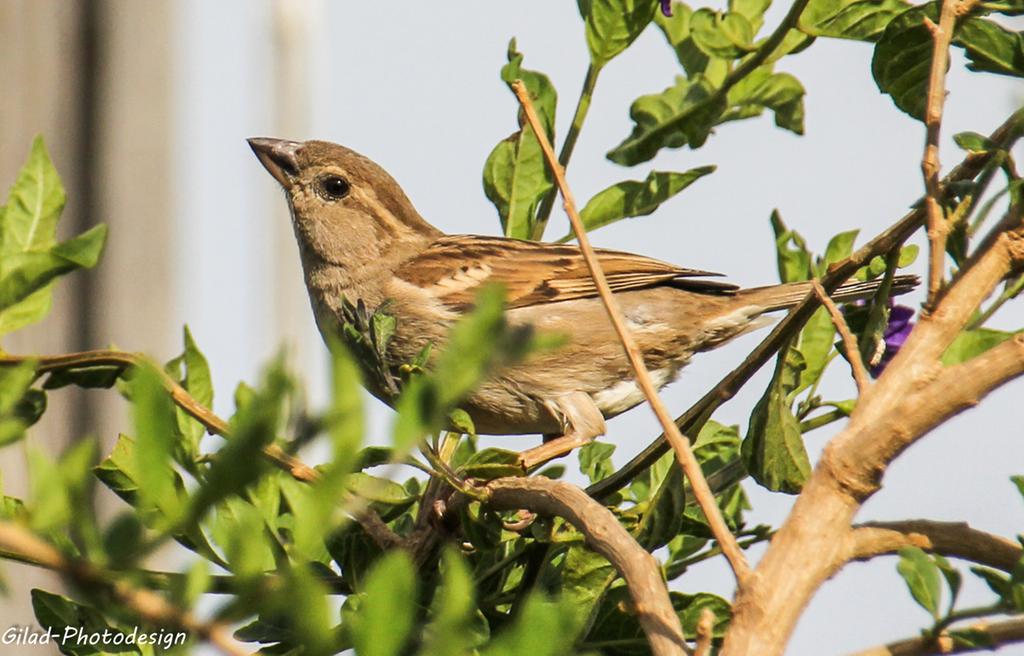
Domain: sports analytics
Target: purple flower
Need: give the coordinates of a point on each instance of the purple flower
(666, 8)
(895, 334)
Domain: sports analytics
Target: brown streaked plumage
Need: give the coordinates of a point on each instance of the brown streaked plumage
(360, 238)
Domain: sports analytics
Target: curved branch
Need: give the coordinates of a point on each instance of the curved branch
(607, 537)
(953, 539)
(999, 634)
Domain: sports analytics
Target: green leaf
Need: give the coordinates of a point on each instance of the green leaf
(752, 10)
(586, 577)
(921, 575)
(240, 462)
(29, 272)
(453, 629)
(382, 491)
(690, 608)
(102, 377)
(33, 205)
(974, 142)
(861, 20)
(616, 624)
(971, 343)
(123, 538)
(65, 617)
(724, 36)
(305, 602)
(239, 530)
(1018, 481)
(990, 47)
(492, 463)
(773, 450)
(794, 262)
(596, 460)
(953, 579)
(198, 380)
(154, 425)
(676, 30)
(119, 473)
(633, 198)
(839, 248)
(532, 629)
(998, 582)
(51, 506)
(902, 59)
(516, 176)
(680, 115)
(30, 257)
(876, 267)
(14, 384)
(663, 519)
(612, 25)
(780, 92)
(815, 345)
(903, 54)
(1007, 7)
(345, 420)
(385, 617)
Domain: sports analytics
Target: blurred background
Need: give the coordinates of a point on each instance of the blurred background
(146, 104)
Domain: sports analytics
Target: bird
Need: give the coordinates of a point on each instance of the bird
(361, 239)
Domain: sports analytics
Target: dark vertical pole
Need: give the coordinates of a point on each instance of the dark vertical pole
(86, 157)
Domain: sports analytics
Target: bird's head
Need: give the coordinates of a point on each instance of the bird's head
(342, 203)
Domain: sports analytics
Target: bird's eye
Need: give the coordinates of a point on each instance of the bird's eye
(333, 187)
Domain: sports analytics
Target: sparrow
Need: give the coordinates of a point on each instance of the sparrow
(361, 239)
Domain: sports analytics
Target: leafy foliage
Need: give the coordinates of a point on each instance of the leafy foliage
(423, 565)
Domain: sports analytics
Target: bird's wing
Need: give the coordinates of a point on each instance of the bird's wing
(453, 268)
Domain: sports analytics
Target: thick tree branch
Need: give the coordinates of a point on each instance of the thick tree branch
(953, 539)
(684, 453)
(607, 537)
(145, 604)
(914, 395)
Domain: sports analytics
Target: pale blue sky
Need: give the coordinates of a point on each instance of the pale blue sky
(414, 86)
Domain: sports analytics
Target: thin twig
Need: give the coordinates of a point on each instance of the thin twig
(146, 604)
(681, 445)
(181, 397)
(218, 583)
(938, 230)
(860, 372)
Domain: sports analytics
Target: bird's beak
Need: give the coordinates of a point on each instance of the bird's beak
(278, 157)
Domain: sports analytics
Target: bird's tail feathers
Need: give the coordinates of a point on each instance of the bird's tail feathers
(783, 297)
